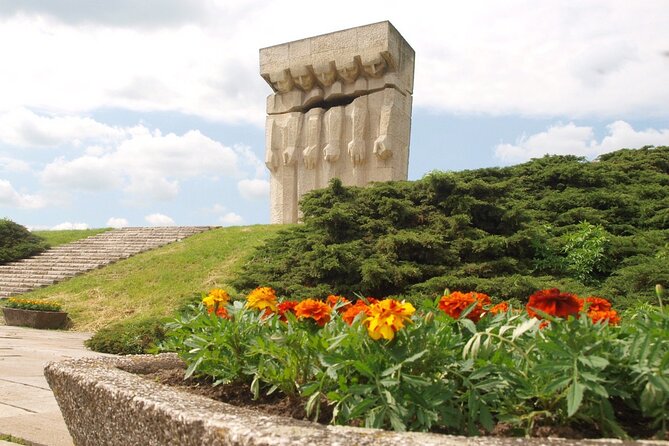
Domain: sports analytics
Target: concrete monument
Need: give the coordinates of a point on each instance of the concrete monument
(341, 107)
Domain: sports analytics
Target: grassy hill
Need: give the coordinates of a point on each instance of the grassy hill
(155, 284)
(56, 238)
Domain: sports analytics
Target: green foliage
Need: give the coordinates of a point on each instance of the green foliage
(553, 221)
(445, 375)
(128, 338)
(16, 242)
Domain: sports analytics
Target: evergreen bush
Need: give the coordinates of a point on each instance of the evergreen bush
(16, 242)
(557, 221)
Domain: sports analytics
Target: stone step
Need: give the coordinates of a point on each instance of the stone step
(84, 255)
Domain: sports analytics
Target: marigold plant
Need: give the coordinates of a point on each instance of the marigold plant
(554, 303)
(313, 309)
(32, 304)
(216, 296)
(287, 306)
(599, 310)
(334, 300)
(215, 302)
(386, 317)
(456, 302)
(501, 307)
(262, 298)
(352, 311)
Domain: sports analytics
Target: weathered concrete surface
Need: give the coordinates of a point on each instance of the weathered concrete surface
(28, 409)
(102, 402)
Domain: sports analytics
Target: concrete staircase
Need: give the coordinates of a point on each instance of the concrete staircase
(65, 261)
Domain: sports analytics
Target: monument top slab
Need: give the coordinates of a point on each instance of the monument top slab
(339, 50)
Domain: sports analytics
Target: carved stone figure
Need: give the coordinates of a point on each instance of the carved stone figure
(340, 107)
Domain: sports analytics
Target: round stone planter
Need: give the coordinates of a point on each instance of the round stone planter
(33, 318)
(105, 401)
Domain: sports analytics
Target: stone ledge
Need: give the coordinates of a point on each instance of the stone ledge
(102, 402)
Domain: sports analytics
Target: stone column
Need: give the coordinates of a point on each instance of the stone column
(340, 107)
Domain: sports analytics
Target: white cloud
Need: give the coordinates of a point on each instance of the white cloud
(10, 197)
(570, 139)
(249, 158)
(116, 222)
(149, 13)
(24, 128)
(254, 189)
(89, 173)
(13, 165)
(231, 219)
(159, 220)
(216, 208)
(560, 57)
(146, 165)
(68, 226)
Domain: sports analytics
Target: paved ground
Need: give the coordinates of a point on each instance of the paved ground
(28, 409)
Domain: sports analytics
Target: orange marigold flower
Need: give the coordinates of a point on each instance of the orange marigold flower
(386, 317)
(334, 300)
(597, 303)
(222, 312)
(262, 298)
(353, 310)
(554, 302)
(610, 316)
(599, 310)
(287, 306)
(456, 302)
(501, 307)
(314, 309)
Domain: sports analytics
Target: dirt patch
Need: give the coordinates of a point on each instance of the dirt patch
(276, 403)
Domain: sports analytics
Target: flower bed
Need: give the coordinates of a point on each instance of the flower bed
(33, 313)
(460, 364)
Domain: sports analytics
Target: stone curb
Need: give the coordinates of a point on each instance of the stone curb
(102, 401)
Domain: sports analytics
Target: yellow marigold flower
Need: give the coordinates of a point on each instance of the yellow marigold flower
(386, 317)
(262, 298)
(219, 295)
(216, 296)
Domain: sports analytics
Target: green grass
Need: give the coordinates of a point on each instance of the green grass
(155, 284)
(12, 439)
(55, 238)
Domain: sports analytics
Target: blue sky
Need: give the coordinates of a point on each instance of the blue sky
(151, 113)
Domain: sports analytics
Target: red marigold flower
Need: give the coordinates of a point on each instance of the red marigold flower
(456, 302)
(554, 302)
(314, 309)
(352, 311)
(287, 306)
(334, 300)
(501, 307)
